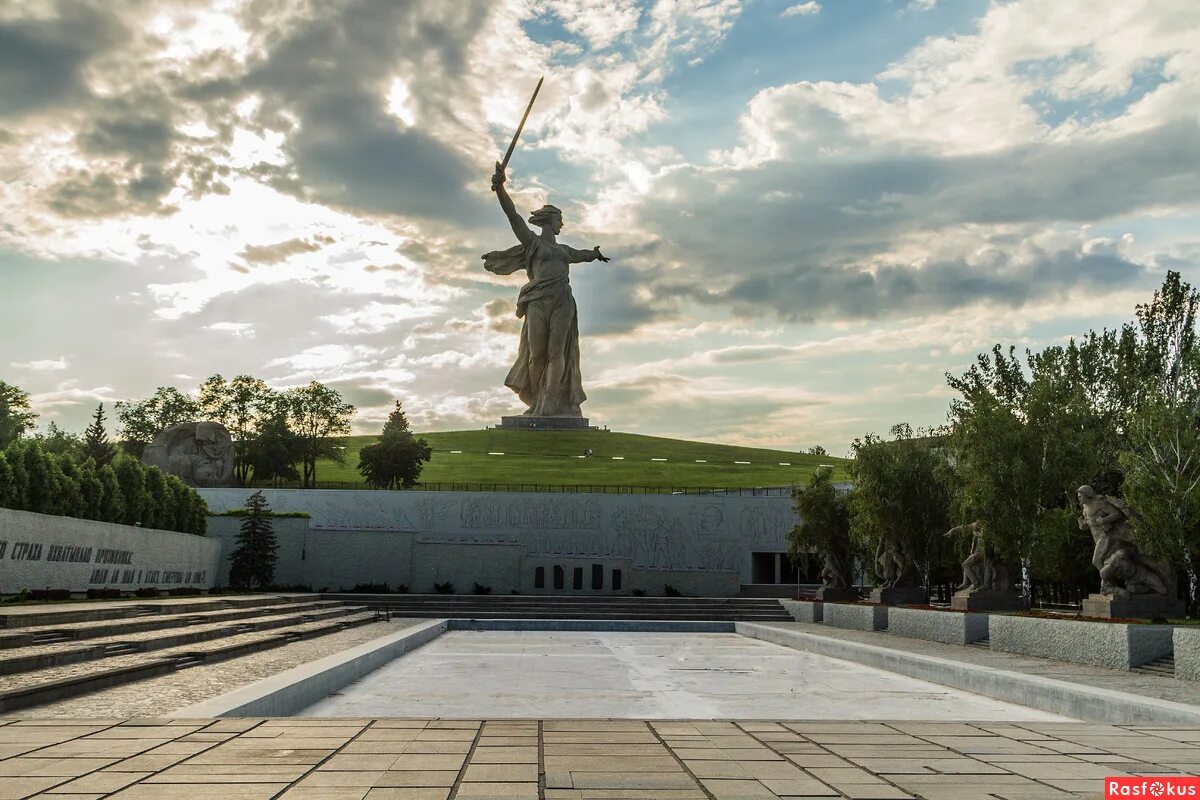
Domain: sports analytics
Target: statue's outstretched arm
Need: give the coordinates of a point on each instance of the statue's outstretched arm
(579, 256)
(524, 235)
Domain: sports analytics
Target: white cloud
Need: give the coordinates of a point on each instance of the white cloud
(808, 9)
(44, 365)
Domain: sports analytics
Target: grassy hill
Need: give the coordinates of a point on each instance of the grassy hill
(618, 459)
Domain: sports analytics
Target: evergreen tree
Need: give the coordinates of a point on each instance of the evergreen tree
(131, 479)
(41, 485)
(95, 440)
(69, 497)
(253, 561)
(91, 490)
(18, 477)
(112, 503)
(396, 460)
(158, 511)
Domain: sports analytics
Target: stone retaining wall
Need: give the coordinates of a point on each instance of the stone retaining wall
(39, 551)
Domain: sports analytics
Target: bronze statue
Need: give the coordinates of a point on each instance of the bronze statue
(981, 570)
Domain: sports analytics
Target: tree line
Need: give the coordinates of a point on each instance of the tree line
(1116, 409)
(278, 435)
(86, 477)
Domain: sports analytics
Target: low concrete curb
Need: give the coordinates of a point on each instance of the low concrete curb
(1047, 694)
(950, 627)
(804, 610)
(292, 690)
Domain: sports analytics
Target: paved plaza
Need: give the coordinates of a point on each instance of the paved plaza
(529, 674)
(399, 759)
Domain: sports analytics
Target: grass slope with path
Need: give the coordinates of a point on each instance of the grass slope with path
(618, 459)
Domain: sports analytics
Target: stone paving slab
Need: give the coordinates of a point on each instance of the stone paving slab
(309, 759)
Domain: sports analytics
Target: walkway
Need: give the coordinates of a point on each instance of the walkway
(396, 759)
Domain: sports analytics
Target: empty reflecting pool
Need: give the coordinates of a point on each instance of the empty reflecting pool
(524, 674)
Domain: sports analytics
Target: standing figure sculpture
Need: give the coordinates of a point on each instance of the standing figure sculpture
(981, 570)
(546, 374)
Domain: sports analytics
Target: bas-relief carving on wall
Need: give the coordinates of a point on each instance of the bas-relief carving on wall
(664, 533)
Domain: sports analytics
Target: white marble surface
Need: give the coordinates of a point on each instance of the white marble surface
(511, 674)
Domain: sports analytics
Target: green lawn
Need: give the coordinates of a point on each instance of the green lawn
(618, 459)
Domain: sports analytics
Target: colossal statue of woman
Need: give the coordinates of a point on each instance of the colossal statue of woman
(546, 374)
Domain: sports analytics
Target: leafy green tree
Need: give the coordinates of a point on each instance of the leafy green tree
(16, 414)
(902, 493)
(275, 451)
(56, 441)
(7, 493)
(318, 414)
(112, 502)
(396, 460)
(242, 405)
(252, 563)
(96, 445)
(142, 420)
(817, 450)
(824, 528)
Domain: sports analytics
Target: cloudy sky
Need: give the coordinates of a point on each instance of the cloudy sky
(814, 210)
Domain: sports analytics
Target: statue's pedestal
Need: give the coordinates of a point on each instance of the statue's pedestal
(828, 594)
(528, 422)
(900, 596)
(985, 600)
(1138, 606)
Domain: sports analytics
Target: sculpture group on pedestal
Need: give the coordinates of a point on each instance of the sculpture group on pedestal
(899, 582)
(986, 585)
(1133, 583)
(837, 571)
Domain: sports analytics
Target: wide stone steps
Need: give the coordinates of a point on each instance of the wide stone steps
(76, 631)
(61, 615)
(25, 659)
(26, 689)
(559, 607)
(1163, 667)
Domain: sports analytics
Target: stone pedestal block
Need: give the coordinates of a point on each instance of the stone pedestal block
(983, 600)
(856, 617)
(829, 595)
(804, 610)
(951, 627)
(1187, 652)
(531, 423)
(1114, 645)
(1139, 606)
(900, 596)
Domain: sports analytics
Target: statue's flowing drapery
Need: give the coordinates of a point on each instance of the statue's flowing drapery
(550, 327)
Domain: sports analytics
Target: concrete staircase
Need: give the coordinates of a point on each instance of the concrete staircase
(104, 645)
(572, 607)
